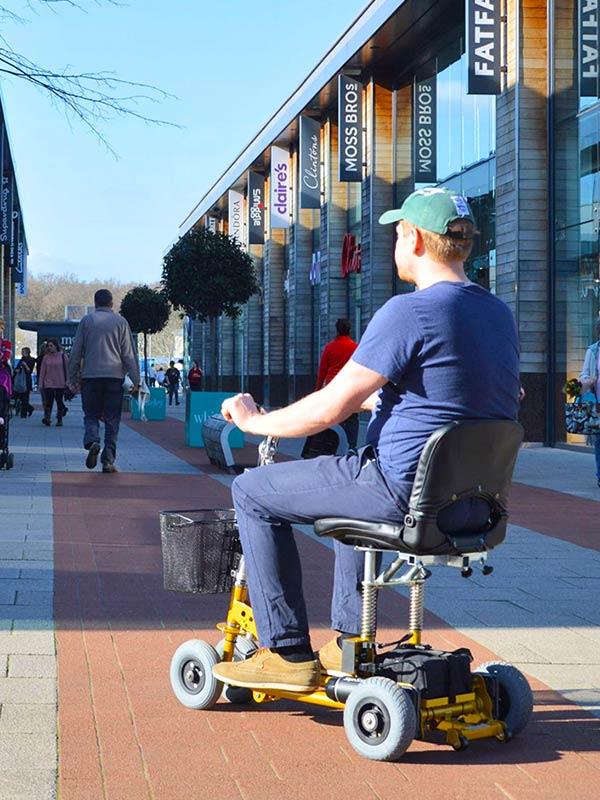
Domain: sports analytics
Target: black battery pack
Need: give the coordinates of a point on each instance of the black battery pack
(434, 673)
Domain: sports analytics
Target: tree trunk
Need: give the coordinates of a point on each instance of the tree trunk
(146, 359)
(213, 354)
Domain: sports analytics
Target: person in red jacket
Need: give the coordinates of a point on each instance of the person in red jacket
(334, 356)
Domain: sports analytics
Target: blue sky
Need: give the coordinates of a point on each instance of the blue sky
(231, 64)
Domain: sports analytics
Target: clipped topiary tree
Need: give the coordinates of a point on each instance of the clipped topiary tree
(147, 311)
(207, 274)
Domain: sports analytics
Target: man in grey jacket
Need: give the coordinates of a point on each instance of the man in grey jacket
(101, 356)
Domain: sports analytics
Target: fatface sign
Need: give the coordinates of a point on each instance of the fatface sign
(350, 151)
(279, 208)
(236, 215)
(256, 208)
(310, 163)
(588, 48)
(483, 46)
(211, 224)
(425, 130)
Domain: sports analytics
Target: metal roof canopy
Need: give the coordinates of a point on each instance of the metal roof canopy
(387, 38)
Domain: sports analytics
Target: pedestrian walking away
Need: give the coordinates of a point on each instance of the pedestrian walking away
(172, 379)
(446, 352)
(29, 364)
(194, 377)
(334, 356)
(53, 378)
(151, 375)
(590, 382)
(101, 356)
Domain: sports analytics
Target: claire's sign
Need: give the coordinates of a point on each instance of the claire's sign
(310, 163)
(279, 207)
(350, 150)
(484, 46)
(425, 130)
(256, 208)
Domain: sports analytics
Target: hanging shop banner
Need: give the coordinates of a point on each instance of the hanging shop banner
(588, 48)
(211, 224)
(350, 148)
(6, 209)
(279, 207)
(425, 129)
(14, 247)
(21, 283)
(256, 208)
(235, 201)
(310, 163)
(483, 46)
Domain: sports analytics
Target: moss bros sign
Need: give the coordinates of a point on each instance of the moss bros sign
(483, 46)
(588, 48)
(350, 150)
(424, 126)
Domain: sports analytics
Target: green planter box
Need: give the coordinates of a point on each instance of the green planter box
(198, 407)
(156, 406)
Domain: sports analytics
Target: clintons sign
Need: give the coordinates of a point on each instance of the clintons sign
(483, 46)
(310, 163)
(350, 151)
(279, 207)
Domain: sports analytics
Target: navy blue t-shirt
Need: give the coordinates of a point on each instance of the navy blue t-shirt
(449, 352)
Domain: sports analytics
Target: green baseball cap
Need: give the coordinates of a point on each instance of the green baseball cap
(432, 209)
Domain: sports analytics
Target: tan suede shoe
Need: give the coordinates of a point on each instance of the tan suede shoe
(330, 657)
(267, 670)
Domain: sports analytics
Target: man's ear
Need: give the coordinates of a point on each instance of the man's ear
(418, 246)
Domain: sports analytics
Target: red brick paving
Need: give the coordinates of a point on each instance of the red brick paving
(122, 733)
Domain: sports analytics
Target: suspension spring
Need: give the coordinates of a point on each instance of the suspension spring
(417, 607)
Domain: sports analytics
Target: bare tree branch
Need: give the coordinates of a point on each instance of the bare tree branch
(94, 98)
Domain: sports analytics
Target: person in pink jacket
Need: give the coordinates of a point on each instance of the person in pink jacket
(53, 380)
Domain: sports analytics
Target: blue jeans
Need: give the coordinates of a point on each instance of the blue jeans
(268, 500)
(173, 390)
(102, 397)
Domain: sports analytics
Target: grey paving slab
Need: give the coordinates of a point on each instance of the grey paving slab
(29, 784)
(26, 666)
(23, 718)
(30, 691)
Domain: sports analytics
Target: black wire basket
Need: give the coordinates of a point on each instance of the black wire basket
(201, 550)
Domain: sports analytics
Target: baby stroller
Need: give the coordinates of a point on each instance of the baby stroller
(6, 458)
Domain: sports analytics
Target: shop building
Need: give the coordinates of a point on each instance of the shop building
(498, 99)
(13, 241)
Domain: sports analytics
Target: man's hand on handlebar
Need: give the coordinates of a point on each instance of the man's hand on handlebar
(241, 410)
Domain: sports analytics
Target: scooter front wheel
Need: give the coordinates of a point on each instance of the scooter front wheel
(192, 679)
